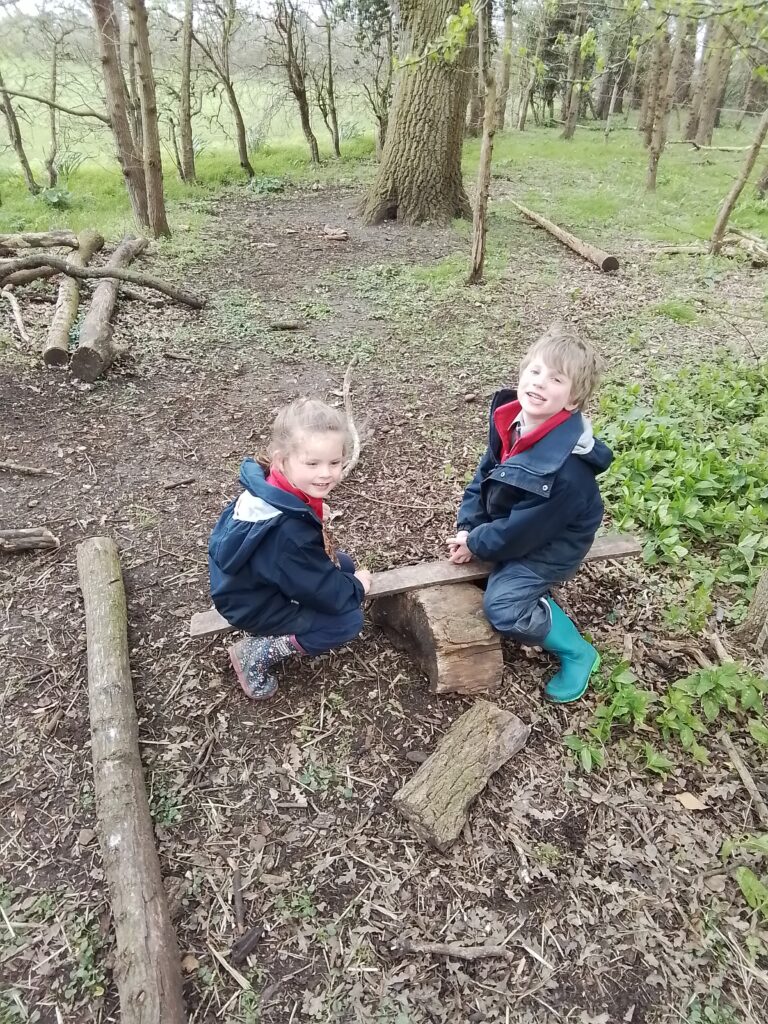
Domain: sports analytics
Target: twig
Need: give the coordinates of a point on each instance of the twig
(179, 483)
(454, 950)
(17, 467)
(749, 783)
(355, 456)
(717, 644)
(8, 294)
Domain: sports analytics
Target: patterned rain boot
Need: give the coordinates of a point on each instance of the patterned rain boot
(254, 656)
(578, 658)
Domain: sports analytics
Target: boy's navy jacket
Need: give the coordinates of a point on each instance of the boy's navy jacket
(541, 506)
(268, 565)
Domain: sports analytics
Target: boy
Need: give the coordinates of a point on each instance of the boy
(533, 507)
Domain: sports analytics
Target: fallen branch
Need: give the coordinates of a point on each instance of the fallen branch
(59, 266)
(56, 348)
(39, 240)
(28, 539)
(16, 308)
(147, 961)
(459, 952)
(602, 260)
(749, 783)
(355, 456)
(95, 352)
(17, 467)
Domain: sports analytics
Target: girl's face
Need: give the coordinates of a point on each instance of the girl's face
(314, 464)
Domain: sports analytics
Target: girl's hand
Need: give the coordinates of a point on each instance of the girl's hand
(365, 578)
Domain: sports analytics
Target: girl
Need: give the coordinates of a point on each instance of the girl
(272, 567)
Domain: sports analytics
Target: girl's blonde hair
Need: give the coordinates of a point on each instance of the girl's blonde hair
(561, 348)
(306, 416)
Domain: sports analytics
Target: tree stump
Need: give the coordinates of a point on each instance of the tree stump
(436, 800)
(446, 631)
(95, 351)
(147, 964)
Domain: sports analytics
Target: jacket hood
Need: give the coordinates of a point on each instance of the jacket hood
(254, 481)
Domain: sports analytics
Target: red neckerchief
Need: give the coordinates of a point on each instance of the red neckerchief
(505, 416)
(276, 479)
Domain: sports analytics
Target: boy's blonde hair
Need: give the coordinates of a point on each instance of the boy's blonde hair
(306, 416)
(561, 348)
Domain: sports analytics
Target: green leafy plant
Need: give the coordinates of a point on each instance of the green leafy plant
(58, 198)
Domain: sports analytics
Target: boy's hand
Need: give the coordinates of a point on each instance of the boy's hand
(326, 512)
(458, 552)
(365, 578)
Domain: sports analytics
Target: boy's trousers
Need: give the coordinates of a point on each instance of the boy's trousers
(515, 604)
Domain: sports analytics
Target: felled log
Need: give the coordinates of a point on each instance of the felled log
(447, 633)
(433, 574)
(39, 240)
(28, 539)
(10, 268)
(602, 260)
(147, 966)
(56, 348)
(95, 352)
(437, 799)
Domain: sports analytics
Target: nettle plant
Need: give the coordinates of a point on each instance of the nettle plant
(691, 467)
(634, 717)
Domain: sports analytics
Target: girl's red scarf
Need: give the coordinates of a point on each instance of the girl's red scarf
(276, 479)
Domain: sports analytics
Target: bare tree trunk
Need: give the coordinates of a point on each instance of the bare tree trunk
(331, 90)
(746, 99)
(667, 93)
(505, 65)
(698, 84)
(612, 106)
(114, 86)
(762, 185)
(419, 178)
(133, 100)
(53, 114)
(242, 141)
(488, 85)
(628, 99)
(474, 122)
(718, 66)
(726, 209)
(153, 164)
(187, 154)
(14, 133)
(651, 88)
(527, 92)
(287, 19)
(688, 63)
(574, 84)
(574, 62)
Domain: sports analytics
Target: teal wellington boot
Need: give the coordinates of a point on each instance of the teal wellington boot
(578, 658)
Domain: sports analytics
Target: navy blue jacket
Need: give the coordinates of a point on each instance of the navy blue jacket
(542, 506)
(267, 561)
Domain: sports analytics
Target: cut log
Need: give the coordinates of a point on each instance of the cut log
(41, 265)
(147, 962)
(434, 574)
(95, 352)
(602, 260)
(56, 348)
(39, 240)
(437, 799)
(27, 539)
(22, 277)
(445, 630)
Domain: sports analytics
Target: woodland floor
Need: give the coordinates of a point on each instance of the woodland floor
(610, 891)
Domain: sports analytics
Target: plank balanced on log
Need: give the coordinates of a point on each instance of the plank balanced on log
(436, 800)
(147, 966)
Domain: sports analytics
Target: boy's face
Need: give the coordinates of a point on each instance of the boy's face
(543, 391)
(315, 463)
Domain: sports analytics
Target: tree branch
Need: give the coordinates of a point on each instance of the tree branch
(81, 112)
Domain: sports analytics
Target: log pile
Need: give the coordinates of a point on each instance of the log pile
(24, 259)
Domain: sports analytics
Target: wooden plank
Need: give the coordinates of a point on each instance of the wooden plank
(433, 574)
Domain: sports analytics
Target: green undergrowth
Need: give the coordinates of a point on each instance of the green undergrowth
(691, 468)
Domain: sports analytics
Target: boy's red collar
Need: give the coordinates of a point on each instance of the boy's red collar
(505, 416)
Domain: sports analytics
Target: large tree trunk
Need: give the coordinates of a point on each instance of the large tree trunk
(129, 157)
(147, 966)
(505, 66)
(667, 92)
(419, 178)
(153, 164)
(731, 199)
(187, 154)
(754, 629)
(14, 133)
(94, 351)
(698, 84)
(56, 349)
(718, 66)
